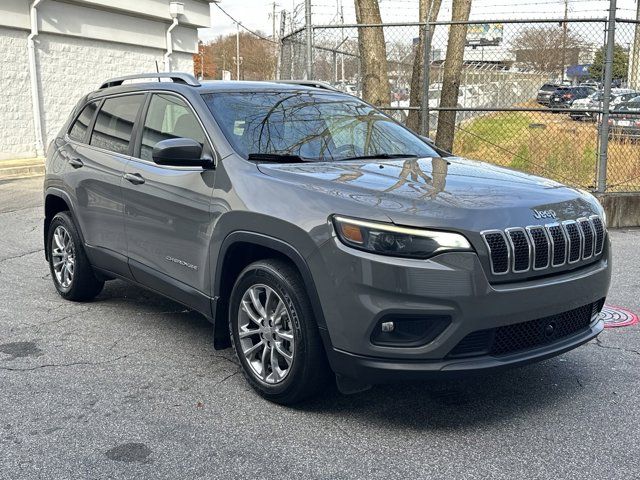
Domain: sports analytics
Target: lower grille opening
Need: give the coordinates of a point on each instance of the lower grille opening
(526, 335)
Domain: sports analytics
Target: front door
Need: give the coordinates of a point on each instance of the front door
(167, 219)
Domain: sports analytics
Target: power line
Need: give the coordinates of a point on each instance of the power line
(243, 27)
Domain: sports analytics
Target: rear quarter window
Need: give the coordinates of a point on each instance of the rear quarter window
(78, 130)
(114, 123)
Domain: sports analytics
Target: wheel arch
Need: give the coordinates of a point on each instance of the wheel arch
(55, 201)
(240, 249)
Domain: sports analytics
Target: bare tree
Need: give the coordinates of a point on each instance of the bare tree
(540, 48)
(415, 99)
(373, 54)
(460, 11)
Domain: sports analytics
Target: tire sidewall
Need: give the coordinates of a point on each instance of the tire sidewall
(263, 274)
(63, 220)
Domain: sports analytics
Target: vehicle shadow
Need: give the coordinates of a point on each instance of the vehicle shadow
(479, 400)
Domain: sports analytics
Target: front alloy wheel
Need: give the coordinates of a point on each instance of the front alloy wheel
(265, 333)
(274, 333)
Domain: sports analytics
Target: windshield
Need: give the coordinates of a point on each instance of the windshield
(314, 126)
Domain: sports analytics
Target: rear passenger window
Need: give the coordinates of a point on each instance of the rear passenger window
(168, 117)
(114, 123)
(79, 128)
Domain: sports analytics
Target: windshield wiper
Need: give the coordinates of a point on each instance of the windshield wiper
(276, 157)
(381, 156)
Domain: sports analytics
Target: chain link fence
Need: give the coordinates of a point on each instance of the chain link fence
(531, 94)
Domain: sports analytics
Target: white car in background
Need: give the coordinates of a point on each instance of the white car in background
(594, 102)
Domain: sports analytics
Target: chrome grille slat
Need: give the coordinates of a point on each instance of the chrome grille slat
(598, 227)
(575, 240)
(540, 247)
(540, 242)
(499, 252)
(521, 248)
(558, 244)
(588, 237)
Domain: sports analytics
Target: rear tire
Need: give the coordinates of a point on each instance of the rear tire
(275, 335)
(70, 269)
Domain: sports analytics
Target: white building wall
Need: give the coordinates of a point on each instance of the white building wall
(70, 67)
(80, 44)
(17, 138)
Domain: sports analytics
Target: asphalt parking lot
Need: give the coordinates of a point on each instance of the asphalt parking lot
(129, 386)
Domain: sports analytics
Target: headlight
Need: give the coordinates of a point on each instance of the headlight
(389, 239)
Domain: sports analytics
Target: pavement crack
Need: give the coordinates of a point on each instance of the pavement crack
(70, 364)
(228, 377)
(21, 255)
(610, 347)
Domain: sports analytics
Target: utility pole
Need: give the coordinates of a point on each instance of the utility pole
(273, 19)
(283, 25)
(606, 99)
(238, 52)
(309, 30)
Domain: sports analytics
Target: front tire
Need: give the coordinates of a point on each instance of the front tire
(274, 333)
(70, 269)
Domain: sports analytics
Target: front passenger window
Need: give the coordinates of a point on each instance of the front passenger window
(168, 117)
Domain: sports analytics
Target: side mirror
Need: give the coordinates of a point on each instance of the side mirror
(180, 152)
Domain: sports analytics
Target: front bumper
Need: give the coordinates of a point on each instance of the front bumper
(378, 370)
(357, 289)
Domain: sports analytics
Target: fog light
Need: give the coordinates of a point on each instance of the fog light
(407, 330)
(387, 326)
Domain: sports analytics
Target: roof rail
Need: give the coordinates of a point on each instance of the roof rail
(183, 78)
(310, 83)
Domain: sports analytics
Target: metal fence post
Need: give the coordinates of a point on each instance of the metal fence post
(606, 100)
(309, 31)
(426, 70)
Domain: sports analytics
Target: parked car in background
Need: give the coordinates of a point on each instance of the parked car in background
(545, 92)
(622, 95)
(591, 83)
(563, 97)
(594, 102)
(625, 120)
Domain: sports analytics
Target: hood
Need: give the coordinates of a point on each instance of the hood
(438, 192)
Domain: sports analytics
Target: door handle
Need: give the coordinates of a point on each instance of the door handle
(76, 162)
(134, 178)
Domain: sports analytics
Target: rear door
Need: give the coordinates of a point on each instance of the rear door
(98, 151)
(167, 217)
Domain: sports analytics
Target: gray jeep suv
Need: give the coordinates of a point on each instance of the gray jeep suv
(318, 235)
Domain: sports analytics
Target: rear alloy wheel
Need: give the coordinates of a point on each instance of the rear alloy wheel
(274, 333)
(71, 271)
(63, 256)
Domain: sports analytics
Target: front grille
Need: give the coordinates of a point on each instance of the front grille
(526, 335)
(537, 247)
